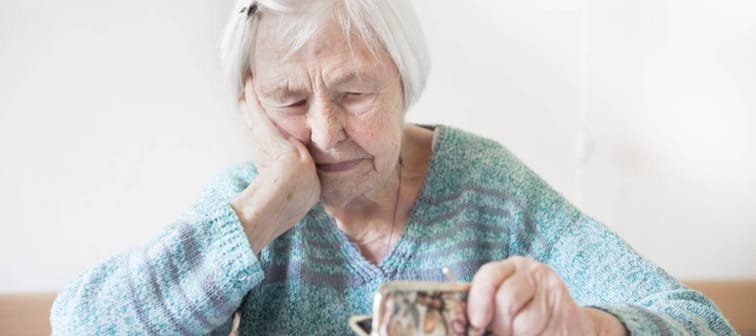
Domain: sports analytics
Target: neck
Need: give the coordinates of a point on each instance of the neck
(375, 220)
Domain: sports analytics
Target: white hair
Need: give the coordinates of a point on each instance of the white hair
(390, 25)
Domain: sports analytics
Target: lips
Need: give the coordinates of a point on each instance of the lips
(338, 166)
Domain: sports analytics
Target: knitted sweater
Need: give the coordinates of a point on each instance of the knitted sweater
(478, 204)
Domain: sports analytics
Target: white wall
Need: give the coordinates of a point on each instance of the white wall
(114, 115)
(642, 112)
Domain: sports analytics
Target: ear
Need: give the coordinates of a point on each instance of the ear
(245, 78)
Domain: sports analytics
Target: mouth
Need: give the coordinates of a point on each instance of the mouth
(334, 167)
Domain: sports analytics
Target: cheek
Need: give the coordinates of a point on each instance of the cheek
(295, 126)
(379, 137)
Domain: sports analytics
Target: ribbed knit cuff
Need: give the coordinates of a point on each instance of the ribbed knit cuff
(642, 321)
(233, 250)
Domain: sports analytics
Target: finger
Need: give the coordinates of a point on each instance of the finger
(533, 319)
(257, 120)
(480, 300)
(253, 110)
(301, 149)
(512, 296)
(536, 316)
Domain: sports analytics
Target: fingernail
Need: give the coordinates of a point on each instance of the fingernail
(477, 331)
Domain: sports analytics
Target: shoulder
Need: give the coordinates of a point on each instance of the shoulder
(466, 159)
(482, 171)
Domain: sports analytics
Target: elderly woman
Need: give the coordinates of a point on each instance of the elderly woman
(344, 196)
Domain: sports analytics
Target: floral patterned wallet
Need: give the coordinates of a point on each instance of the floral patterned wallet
(417, 308)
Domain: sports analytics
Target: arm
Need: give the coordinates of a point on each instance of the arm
(582, 277)
(192, 277)
(189, 280)
(602, 271)
(593, 284)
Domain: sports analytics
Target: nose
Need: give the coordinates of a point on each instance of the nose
(326, 125)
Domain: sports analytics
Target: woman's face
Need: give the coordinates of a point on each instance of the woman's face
(344, 104)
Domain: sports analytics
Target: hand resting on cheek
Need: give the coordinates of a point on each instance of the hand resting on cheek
(287, 185)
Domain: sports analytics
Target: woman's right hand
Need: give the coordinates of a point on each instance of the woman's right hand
(287, 184)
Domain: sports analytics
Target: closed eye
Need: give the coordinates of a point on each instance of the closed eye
(297, 103)
(352, 97)
(357, 102)
(298, 107)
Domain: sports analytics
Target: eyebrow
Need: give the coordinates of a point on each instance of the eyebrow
(341, 80)
(364, 78)
(282, 91)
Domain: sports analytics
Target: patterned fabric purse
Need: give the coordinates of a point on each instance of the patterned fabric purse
(417, 308)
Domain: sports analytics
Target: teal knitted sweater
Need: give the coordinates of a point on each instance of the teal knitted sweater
(478, 204)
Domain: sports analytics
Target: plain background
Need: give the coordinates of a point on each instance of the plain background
(114, 115)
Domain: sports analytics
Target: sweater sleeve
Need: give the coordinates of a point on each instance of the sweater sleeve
(603, 271)
(189, 280)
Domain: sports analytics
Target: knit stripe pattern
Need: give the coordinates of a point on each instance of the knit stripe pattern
(478, 204)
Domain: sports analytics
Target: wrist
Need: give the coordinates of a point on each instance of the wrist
(255, 209)
(256, 241)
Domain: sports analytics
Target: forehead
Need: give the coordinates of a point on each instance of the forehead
(328, 47)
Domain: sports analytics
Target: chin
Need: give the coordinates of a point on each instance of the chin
(337, 196)
(338, 192)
